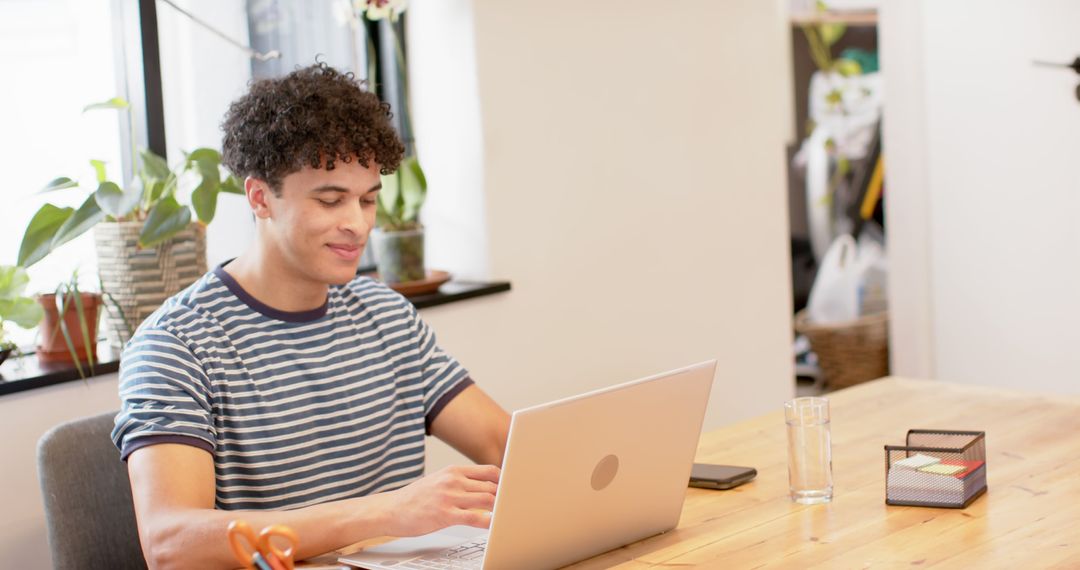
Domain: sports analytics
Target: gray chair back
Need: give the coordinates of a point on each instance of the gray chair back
(88, 508)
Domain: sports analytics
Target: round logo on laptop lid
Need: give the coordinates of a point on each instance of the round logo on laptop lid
(604, 472)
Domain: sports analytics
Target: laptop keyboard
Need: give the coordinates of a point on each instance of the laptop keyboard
(465, 556)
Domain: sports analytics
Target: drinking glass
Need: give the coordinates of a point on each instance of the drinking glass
(809, 450)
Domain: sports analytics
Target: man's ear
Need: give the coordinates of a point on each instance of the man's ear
(258, 196)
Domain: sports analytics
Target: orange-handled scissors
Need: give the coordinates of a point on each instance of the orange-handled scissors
(246, 544)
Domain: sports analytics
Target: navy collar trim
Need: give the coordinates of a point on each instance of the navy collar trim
(263, 308)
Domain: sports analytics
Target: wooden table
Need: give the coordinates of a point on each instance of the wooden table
(1029, 517)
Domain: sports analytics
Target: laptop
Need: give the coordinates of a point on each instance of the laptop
(581, 476)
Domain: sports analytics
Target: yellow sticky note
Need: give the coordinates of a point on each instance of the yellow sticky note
(940, 469)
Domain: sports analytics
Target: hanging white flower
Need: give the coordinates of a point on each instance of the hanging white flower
(380, 9)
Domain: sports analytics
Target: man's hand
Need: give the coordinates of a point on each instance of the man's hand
(450, 496)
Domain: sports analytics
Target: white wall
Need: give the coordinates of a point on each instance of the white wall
(25, 417)
(634, 193)
(981, 153)
(904, 134)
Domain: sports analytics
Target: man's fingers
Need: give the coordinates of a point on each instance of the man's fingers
(481, 472)
(479, 519)
(474, 486)
(484, 501)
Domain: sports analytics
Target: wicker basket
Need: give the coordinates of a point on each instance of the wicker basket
(137, 281)
(849, 352)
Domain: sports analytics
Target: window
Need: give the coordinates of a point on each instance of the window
(58, 56)
(62, 55)
(202, 72)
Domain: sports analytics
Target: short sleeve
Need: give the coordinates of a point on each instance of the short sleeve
(164, 394)
(443, 377)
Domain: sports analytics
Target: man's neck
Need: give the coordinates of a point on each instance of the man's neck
(265, 276)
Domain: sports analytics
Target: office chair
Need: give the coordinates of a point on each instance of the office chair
(88, 508)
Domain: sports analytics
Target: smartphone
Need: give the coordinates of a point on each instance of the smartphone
(709, 476)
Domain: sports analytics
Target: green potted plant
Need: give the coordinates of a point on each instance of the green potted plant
(69, 331)
(148, 247)
(399, 236)
(15, 308)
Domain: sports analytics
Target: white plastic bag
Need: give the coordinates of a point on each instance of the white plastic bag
(873, 273)
(851, 281)
(834, 296)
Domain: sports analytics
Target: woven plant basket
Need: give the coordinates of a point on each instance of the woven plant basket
(134, 281)
(850, 352)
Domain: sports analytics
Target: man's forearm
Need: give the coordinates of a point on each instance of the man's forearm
(172, 487)
(473, 424)
(196, 538)
(495, 450)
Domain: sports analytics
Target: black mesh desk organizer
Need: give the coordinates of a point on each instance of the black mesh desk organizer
(937, 468)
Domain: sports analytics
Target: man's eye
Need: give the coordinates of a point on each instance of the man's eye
(329, 203)
(368, 201)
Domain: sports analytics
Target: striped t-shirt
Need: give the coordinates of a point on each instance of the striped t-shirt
(296, 408)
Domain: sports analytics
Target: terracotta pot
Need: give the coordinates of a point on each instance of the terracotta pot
(51, 344)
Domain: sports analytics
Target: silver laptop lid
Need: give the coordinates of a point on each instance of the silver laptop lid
(591, 473)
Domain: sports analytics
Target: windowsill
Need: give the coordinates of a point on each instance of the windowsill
(19, 374)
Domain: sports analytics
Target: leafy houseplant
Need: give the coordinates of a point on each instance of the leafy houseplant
(14, 307)
(148, 247)
(399, 240)
(149, 198)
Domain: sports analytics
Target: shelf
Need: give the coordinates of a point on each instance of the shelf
(19, 374)
(868, 18)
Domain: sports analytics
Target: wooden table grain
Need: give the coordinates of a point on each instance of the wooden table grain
(1029, 517)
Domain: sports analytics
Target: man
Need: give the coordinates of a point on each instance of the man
(280, 388)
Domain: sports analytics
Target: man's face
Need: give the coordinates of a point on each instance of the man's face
(321, 222)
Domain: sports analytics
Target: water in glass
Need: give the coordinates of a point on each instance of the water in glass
(809, 450)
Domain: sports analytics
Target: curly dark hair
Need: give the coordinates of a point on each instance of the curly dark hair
(314, 116)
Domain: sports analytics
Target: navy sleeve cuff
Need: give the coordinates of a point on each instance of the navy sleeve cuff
(146, 441)
(444, 400)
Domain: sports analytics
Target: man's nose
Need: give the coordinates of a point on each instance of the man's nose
(353, 220)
